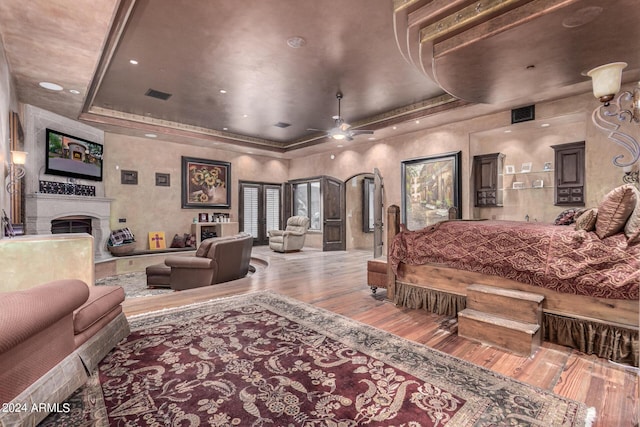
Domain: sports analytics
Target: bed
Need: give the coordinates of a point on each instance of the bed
(590, 280)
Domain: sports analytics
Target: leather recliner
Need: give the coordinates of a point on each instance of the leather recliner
(292, 237)
(217, 260)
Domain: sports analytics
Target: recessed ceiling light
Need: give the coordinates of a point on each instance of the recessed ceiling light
(545, 125)
(249, 152)
(150, 135)
(74, 91)
(223, 91)
(371, 138)
(333, 156)
(133, 62)
(296, 42)
(51, 86)
(395, 127)
(245, 115)
(225, 128)
(417, 122)
(339, 145)
(507, 131)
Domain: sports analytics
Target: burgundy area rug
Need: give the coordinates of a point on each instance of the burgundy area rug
(263, 359)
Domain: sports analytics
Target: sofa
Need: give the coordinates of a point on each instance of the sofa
(217, 260)
(51, 337)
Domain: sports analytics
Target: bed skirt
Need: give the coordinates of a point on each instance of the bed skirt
(611, 342)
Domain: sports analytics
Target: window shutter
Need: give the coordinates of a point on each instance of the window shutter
(272, 208)
(250, 223)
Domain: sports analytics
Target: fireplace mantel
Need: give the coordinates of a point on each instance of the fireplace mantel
(42, 208)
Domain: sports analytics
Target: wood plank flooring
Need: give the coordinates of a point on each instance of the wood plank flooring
(336, 281)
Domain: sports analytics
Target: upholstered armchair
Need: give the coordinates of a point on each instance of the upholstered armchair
(292, 237)
(217, 260)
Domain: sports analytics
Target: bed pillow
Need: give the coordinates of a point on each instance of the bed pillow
(614, 210)
(632, 227)
(587, 220)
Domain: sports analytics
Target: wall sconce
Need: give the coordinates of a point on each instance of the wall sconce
(606, 81)
(16, 169)
(630, 176)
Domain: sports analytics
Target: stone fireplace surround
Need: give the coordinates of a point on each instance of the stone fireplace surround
(42, 208)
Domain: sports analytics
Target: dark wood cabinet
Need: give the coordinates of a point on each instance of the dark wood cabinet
(487, 179)
(569, 174)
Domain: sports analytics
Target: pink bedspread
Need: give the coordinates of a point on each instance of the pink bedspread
(551, 256)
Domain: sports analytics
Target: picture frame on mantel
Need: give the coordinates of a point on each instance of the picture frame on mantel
(205, 183)
(430, 187)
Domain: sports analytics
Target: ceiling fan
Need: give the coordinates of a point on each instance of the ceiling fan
(342, 130)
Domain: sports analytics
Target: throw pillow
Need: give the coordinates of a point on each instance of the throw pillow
(587, 220)
(178, 241)
(566, 217)
(614, 210)
(632, 227)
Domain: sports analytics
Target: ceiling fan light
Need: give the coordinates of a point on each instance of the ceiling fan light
(338, 136)
(606, 80)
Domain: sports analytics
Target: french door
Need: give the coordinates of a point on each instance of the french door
(260, 209)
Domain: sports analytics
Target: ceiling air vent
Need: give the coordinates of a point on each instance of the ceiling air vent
(282, 125)
(523, 114)
(158, 94)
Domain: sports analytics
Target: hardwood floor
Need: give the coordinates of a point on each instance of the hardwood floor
(336, 281)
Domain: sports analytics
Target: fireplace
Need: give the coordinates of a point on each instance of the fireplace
(43, 209)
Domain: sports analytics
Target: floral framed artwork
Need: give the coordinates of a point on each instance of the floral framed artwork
(205, 183)
(430, 187)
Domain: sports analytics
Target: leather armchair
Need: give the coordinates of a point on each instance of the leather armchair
(292, 237)
(217, 260)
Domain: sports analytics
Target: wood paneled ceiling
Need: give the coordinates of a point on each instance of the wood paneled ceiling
(394, 61)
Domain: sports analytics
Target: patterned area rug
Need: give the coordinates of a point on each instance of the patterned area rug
(263, 359)
(134, 284)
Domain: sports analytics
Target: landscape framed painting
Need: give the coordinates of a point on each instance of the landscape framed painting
(430, 187)
(205, 183)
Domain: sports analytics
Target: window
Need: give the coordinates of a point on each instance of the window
(307, 202)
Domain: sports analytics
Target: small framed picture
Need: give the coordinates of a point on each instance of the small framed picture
(129, 177)
(509, 169)
(518, 185)
(203, 217)
(538, 183)
(547, 166)
(526, 167)
(163, 180)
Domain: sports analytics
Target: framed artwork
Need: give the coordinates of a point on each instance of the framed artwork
(547, 166)
(430, 186)
(129, 177)
(157, 240)
(163, 179)
(509, 169)
(526, 167)
(205, 183)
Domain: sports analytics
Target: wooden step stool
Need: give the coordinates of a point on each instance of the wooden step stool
(504, 318)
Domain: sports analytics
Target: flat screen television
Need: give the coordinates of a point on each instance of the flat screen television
(74, 157)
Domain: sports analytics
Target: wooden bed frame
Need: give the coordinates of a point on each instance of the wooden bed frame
(434, 277)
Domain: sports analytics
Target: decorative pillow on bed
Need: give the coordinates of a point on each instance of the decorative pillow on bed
(614, 210)
(586, 220)
(566, 217)
(632, 227)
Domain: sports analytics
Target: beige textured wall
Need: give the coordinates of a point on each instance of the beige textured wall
(468, 136)
(7, 103)
(147, 207)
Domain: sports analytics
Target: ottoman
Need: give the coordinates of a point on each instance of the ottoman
(158, 276)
